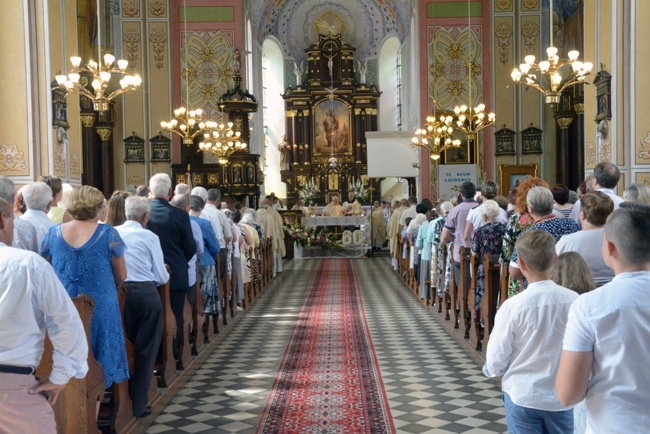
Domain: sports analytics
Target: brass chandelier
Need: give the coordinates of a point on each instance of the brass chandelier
(220, 140)
(76, 81)
(552, 76)
(187, 124)
(436, 136)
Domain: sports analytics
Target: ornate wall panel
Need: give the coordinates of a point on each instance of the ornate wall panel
(503, 6)
(157, 8)
(530, 5)
(641, 85)
(131, 8)
(450, 50)
(209, 68)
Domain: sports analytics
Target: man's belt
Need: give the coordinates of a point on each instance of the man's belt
(23, 370)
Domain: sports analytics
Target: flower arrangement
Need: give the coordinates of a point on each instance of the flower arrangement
(307, 236)
(309, 192)
(360, 191)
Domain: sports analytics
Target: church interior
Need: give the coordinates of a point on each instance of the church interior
(311, 102)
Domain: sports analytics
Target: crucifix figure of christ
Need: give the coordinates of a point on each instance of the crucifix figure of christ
(330, 62)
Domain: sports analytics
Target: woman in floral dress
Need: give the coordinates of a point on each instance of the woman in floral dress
(517, 224)
(486, 240)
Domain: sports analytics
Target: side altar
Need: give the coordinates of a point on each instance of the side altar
(327, 116)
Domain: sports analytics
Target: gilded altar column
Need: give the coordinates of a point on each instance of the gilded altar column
(358, 134)
(295, 131)
(306, 138)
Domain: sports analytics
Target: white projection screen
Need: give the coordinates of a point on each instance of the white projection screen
(390, 154)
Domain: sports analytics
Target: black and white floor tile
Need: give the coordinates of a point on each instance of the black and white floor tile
(431, 384)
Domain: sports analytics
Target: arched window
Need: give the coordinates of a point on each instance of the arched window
(390, 83)
(273, 114)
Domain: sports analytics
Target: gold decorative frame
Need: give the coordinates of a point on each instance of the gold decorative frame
(509, 173)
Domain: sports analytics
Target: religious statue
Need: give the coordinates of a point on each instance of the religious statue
(285, 153)
(297, 70)
(236, 62)
(363, 68)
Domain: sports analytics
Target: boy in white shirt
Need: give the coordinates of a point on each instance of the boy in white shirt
(526, 342)
(605, 352)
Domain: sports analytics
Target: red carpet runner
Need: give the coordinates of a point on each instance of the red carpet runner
(329, 379)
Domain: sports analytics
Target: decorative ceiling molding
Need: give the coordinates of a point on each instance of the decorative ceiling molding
(365, 24)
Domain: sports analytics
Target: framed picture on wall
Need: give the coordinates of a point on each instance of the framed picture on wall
(332, 128)
(511, 174)
(457, 154)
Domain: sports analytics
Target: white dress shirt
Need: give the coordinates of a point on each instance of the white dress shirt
(218, 219)
(589, 244)
(409, 212)
(144, 258)
(41, 223)
(33, 301)
(198, 239)
(475, 217)
(526, 343)
(613, 322)
(25, 235)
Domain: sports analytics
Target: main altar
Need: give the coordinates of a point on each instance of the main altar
(327, 117)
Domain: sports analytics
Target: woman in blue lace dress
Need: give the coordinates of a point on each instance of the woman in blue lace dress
(89, 259)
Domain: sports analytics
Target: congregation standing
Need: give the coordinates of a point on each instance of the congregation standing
(569, 341)
(94, 246)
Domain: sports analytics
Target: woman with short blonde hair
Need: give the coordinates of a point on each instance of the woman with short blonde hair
(88, 258)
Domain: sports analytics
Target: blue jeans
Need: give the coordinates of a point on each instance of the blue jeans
(522, 420)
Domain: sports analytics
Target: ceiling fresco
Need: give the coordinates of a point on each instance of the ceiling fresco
(365, 23)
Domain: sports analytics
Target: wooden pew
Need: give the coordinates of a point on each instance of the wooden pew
(454, 292)
(490, 296)
(435, 279)
(75, 410)
(185, 348)
(446, 295)
(166, 365)
(504, 277)
(197, 338)
(255, 271)
(464, 285)
(470, 325)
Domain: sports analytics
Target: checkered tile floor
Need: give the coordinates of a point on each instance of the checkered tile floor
(431, 384)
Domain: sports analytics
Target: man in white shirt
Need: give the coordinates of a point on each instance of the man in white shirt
(145, 271)
(24, 232)
(33, 302)
(526, 341)
(410, 212)
(606, 176)
(38, 198)
(605, 352)
(595, 208)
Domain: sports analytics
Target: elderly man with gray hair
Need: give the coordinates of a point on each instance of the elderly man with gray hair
(173, 227)
(540, 206)
(24, 232)
(145, 271)
(38, 198)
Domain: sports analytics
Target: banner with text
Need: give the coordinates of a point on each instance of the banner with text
(451, 176)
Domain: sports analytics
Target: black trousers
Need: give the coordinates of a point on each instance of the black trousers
(177, 300)
(143, 323)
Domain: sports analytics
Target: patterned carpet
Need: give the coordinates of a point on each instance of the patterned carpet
(431, 384)
(329, 380)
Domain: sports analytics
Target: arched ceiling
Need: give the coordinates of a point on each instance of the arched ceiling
(365, 23)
